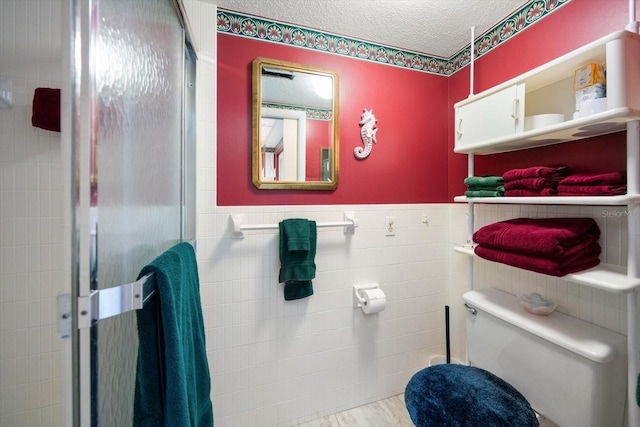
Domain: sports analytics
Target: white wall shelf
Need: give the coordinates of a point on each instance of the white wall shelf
(549, 89)
(607, 277)
(595, 125)
(493, 122)
(624, 200)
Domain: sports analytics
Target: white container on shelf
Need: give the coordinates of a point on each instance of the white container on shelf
(542, 120)
(591, 106)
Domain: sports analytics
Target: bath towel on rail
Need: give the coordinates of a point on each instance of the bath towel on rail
(46, 109)
(172, 380)
(297, 257)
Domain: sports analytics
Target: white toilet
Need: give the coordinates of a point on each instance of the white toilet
(571, 372)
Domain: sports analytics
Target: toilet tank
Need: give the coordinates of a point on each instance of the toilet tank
(571, 372)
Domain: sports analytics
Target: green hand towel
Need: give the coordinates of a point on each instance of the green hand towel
(173, 385)
(297, 232)
(484, 181)
(297, 267)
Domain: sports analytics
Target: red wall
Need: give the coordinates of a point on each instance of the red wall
(413, 161)
(408, 164)
(575, 24)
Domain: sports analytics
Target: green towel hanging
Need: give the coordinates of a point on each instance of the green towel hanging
(297, 257)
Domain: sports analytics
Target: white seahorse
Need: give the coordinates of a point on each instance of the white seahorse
(367, 134)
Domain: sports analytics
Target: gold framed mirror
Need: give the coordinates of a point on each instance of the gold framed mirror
(294, 126)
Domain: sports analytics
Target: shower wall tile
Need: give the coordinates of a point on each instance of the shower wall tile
(31, 218)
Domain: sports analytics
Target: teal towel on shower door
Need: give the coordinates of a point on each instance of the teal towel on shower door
(297, 257)
(173, 385)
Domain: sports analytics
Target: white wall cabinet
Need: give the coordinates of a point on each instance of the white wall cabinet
(497, 124)
(549, 89)
(473, 125)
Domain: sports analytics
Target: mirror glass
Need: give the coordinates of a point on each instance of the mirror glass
(295, 126)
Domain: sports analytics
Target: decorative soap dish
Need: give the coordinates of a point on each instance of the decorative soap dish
(536, 304)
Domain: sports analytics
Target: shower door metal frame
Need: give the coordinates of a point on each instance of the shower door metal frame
(83, 242)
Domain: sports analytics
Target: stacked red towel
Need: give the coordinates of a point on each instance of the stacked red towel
(553, 246)
(533, 181)
(603, 184)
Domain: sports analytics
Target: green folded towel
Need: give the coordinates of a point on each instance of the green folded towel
(484, 181)
(485, 188)
(173, 385)
(297, 267)
(483, 193)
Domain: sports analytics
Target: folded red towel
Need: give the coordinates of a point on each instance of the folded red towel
(549, 237)
(46, 109)
(523, 192)
(552, 266)
(551, 172)
(591, 190)
(609, 178)
(530, 184)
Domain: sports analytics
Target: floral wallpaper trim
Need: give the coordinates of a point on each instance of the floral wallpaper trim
(243, 25)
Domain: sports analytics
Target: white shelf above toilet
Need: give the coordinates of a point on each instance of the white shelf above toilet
(607, 277)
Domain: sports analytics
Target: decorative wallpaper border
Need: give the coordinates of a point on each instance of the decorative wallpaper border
(311, 113)
(239, 24)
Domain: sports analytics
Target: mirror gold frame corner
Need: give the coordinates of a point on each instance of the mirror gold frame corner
(276, 97)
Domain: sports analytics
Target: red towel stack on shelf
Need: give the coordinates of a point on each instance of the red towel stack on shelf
(603, 184)
(553, 246)
(533, 181)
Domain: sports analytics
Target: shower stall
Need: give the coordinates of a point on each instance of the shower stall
(85, 209)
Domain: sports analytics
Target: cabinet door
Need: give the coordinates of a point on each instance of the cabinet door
(493, 116)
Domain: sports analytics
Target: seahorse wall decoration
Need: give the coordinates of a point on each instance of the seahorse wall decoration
(367, 134)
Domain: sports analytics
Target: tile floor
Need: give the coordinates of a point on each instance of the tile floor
(389, 412)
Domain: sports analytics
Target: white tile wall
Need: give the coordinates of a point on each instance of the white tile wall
(277, 362)
(31, 223)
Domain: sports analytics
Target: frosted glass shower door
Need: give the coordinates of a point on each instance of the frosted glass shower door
(128, 127)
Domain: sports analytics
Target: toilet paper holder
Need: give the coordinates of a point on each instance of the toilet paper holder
(358, 300)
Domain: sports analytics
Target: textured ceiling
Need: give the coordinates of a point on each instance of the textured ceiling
(435, 27)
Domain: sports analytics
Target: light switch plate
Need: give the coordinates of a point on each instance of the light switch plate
(390, 226)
